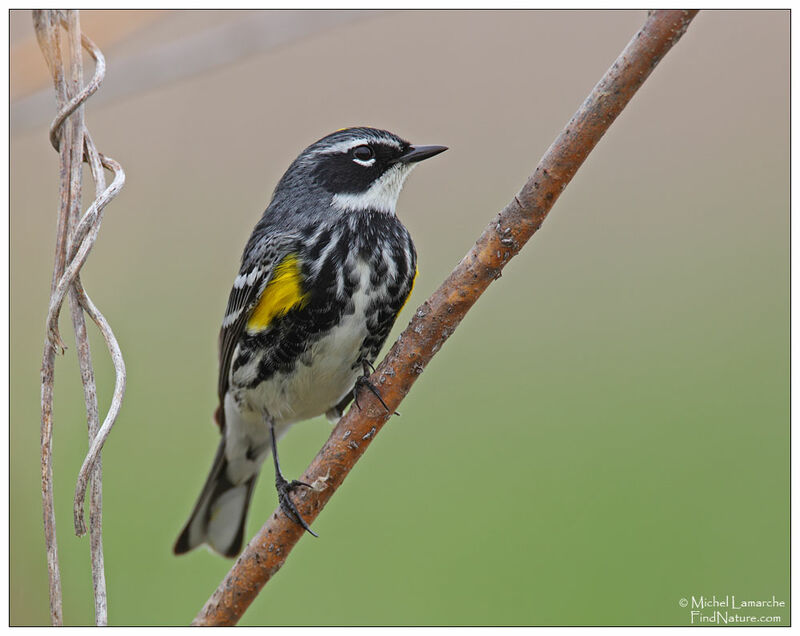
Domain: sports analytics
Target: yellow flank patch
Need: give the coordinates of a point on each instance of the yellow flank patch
(413, 280)
(283, 292)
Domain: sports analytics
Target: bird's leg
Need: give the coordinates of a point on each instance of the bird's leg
(363, 381)
(285, 488)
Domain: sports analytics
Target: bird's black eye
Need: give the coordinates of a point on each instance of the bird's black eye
(363, 153)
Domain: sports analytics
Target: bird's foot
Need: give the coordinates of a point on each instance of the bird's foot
(285, 489)
(363, 381)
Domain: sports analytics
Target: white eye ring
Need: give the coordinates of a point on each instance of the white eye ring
(366, 163)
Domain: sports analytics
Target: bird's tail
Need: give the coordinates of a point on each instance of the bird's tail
(219, 516)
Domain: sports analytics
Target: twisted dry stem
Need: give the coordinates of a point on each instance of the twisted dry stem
(74, 239)
(47, 33)
(438, 316)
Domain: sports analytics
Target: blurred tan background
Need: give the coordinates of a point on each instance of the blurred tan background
(606, 433)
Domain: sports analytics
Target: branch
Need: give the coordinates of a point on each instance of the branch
(439, 316)
(75, 237)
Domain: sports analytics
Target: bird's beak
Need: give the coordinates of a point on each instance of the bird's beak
(418, 153)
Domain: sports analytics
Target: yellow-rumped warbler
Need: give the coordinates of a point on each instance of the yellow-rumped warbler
(324, 275)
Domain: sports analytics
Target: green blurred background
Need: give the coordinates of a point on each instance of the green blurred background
(607, 431)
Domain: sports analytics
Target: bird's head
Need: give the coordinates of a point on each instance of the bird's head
(357, 168)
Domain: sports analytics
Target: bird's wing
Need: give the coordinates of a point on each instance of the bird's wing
(252, 296)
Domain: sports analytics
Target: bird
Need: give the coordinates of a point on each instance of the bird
(323, 277)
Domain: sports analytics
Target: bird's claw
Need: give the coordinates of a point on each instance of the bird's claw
(284, 489)
(363, 380)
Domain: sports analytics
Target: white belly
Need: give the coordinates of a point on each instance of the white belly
(310, 390)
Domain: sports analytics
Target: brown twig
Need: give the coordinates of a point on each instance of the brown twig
(438, 317)
(75, 237)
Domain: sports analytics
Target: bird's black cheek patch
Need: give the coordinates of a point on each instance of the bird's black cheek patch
(340, 174)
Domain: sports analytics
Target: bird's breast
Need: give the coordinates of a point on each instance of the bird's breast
(327, 369)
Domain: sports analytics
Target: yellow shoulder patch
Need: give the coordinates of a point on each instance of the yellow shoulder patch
(413, 280)
(283, 292)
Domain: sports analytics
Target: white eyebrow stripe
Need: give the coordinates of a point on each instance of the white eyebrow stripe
(349, 144)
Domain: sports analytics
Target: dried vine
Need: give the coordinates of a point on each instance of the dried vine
(75, 237)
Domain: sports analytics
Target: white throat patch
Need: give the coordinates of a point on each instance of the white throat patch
(382, 194)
